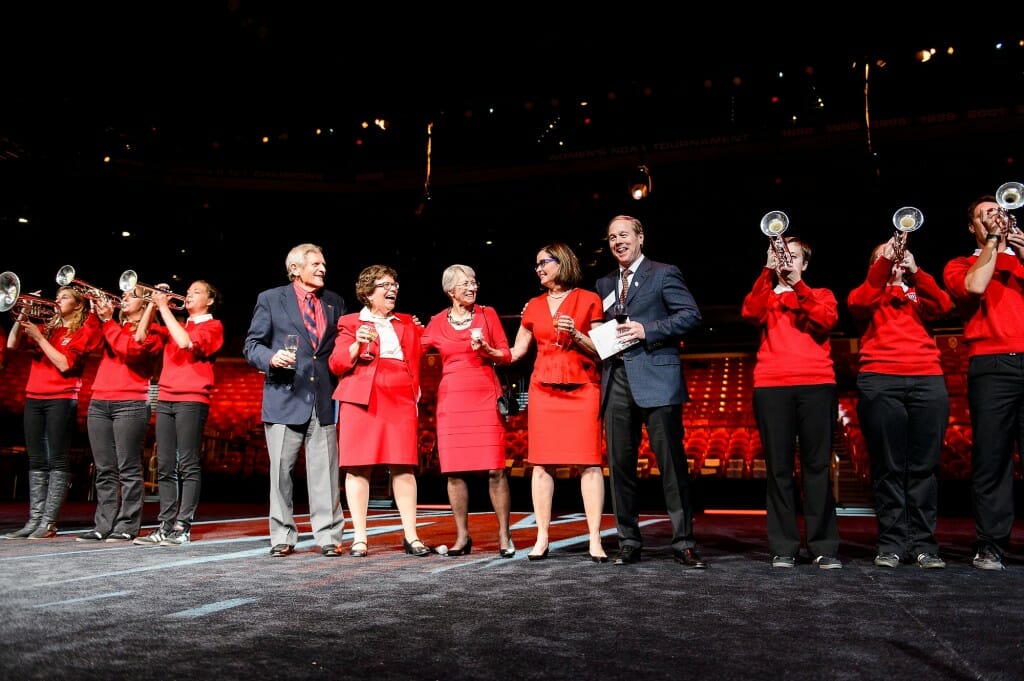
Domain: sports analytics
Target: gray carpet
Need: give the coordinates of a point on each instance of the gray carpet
(221, 608)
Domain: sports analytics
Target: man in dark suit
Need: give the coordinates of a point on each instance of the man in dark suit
(643, 386)
(298, 408)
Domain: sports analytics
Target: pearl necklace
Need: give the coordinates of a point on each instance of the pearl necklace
(564, 294)
(459, 322)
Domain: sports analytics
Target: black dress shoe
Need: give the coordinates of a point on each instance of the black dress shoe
(628, 554)
(689, 558)
(415, 548)
(330, 550)
(282, 550)
(466, 549)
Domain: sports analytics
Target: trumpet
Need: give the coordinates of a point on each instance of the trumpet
(906, 220)
(773, 224)
(1009, 196)
(129, 281)
(66, 277)
(24, 305)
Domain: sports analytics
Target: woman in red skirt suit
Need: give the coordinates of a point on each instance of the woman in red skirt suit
(470, 434)
(377, 360)
(563, 415)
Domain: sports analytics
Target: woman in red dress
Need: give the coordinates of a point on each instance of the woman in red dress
(563, 415)
(377, 357)
(470, 434)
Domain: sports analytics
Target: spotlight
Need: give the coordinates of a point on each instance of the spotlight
(640, 183)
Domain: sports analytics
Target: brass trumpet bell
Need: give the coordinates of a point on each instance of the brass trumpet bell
(1010, 195)
(129, 281)
(773, 225)
(66, 277)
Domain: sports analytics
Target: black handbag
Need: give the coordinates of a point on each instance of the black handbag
(508, 400)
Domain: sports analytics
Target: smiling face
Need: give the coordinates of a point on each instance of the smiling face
(385, 294)
(625, 241)
(464, 290)
(547, 268)
(310, 274)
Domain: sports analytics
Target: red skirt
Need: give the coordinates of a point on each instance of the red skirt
(385, 431)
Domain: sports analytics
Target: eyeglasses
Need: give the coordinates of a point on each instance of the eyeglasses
(468, 284)
(387, 285)
(544, 261)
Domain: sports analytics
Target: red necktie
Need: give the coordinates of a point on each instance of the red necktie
(309, 317)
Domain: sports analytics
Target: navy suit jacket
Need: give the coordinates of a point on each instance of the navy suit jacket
(659, 299)
(289, 394)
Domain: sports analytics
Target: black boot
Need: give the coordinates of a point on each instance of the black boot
(37, 484)
(55, 496)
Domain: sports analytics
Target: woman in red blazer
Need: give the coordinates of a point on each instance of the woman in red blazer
(377, 360)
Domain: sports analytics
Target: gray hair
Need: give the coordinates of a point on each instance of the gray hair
(297, 257)
(452, 272)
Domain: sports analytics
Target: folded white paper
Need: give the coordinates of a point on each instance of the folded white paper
(607, 342)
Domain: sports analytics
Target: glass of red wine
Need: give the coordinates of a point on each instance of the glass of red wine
(621, 316)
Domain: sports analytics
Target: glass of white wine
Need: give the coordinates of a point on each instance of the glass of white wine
(291, 344)
(372, 334)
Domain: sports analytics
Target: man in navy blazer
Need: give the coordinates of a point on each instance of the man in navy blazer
(643, 386)
(298, 407)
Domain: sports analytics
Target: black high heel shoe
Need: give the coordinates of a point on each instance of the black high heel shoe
(466, 549)
(418, 551)
(539, 556)
(510, 552)
(599, 559)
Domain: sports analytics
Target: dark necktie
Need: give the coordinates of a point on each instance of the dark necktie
(625, 286)
(309, 317)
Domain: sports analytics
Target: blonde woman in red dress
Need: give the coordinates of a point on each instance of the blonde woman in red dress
(377, 359)
(563, 415)
(470, 433)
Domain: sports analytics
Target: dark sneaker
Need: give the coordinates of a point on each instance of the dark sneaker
(987, 559)
(930, 561)
(828, 562)
(783, 561)
(91, 535)
(119, 537)
(889, 560)
(152, 539)
(176, 537)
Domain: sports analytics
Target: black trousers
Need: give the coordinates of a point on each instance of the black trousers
(623, 420)
(785, 415)
(995, 393)
(903, 419)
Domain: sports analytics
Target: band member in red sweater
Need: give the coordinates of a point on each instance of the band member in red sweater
(795, 396)
(186, 382)
(119, 415)
(903, 404)
(59, 350)
(988, 289)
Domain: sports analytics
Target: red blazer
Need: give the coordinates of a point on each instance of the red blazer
(356, 380)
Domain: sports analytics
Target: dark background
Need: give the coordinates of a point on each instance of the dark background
(148, 118)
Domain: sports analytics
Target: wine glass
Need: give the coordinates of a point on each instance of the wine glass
(371, 332)
(291, 343)
(561, 335)
(621, 315)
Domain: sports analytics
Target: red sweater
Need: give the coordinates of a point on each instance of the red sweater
(187, 374)
(45, 382)
(795, 326)
(126, 365)
(994, 320)
(895, 340)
